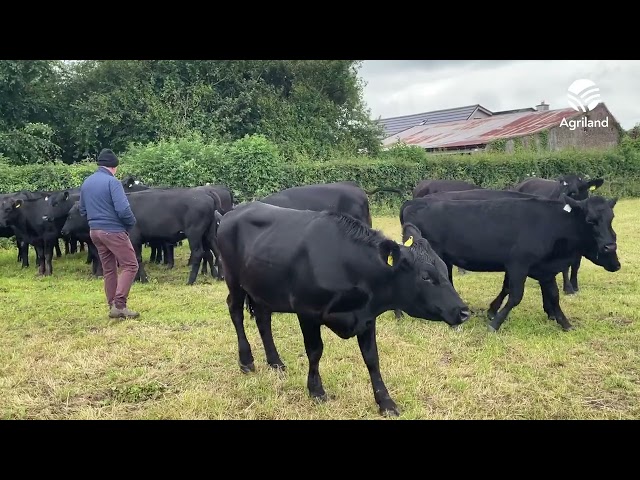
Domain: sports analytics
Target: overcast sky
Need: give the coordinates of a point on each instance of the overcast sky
(403, 87)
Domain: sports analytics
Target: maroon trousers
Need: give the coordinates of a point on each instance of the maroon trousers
(114, 247)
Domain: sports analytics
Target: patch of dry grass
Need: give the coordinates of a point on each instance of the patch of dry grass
(62, 358)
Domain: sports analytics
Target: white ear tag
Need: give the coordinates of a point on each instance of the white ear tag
(567, 208)
(565, 183)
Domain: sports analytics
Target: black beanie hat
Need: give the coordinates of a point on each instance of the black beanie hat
(107, 158)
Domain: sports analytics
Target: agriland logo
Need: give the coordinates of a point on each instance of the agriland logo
(583, 96)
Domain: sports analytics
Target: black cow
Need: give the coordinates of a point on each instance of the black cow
(10, 231)
(529, 237)
(77, 225)
(340, 197)
(427, 187)
(574, 186)
(328, 269)
(27, 216)
(59, 203)
(172, 215)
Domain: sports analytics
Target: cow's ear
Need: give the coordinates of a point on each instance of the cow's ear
(571, 203)
(612, 202)
(390, 253)
(65, 196)
(17, 203)
(410, 233)
(218, 216)
(596, 183)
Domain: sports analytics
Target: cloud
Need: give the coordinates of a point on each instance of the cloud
(403, 87)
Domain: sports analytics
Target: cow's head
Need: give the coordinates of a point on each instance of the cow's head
(597, 214)
(577, 187)
(132, 183)
(58, 205)
(9, 209)
(421, 282)
(75, 222)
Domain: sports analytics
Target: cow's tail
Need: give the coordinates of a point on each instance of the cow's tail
(384, 189)
(233, 200)
(404, 205)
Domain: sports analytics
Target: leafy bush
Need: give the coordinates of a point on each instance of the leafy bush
(254, 167)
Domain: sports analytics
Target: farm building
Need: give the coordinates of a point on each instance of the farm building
(393, 125)
(538, 129)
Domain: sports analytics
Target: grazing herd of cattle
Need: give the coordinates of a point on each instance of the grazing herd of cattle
(311, 251)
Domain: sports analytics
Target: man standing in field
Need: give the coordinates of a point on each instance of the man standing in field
(104, 203)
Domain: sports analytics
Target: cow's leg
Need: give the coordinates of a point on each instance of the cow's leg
(313, 345)
(369, 349)
(89, 255)
(205, 260)
(552, 294)
(56, 245)
(566, 283)
(517, 277)
(235, 302)
(197, 252)
(40, 257)
(96, 263)
(546, 304)
(48, 259)
(141, 276)
(160, 250)
(152, 256)
(495, 305)
(82, 245)
(574, 273)
(24, 253)
(66, 245)
(398, 314)
(263, 320)
(169, 259)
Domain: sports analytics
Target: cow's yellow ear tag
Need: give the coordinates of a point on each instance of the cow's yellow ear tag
(409, 242)
(592, 188)
(390, 260)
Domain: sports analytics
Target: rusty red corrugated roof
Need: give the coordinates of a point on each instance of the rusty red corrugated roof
(481, 131)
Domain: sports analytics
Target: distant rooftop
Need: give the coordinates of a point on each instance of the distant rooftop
(393, 125)
(479, 132)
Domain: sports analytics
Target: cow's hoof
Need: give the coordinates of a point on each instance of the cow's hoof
(390, 410)
(567, 328)
(248, 368)
(281, 367)
(492, 329)
(320, 397)
(491, 314)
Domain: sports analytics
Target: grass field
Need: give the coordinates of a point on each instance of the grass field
(62, 358)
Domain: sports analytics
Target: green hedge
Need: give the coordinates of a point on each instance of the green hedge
(253, 167)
